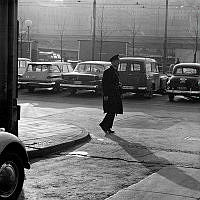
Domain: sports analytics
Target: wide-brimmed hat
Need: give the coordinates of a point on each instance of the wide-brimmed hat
(115, 57)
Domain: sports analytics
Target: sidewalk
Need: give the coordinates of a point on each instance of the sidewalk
(174, 181)
(181, 139)
(42, 137)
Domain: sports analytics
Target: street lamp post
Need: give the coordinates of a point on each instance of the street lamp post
(28, 24)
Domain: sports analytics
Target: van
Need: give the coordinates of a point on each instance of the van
(141, 76)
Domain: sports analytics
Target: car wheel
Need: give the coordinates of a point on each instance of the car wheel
(148, 94)
(72, 91)
(31, 89)
(11, 176)
(171, 97)
(98, 92)
(56, 88)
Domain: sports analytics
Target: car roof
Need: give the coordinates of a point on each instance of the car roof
(24, 59)
(138, 59)
(95, 62)
(188, 64)
(47, 63)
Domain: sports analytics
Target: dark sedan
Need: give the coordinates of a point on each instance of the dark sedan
(185, 81)
(86, 76)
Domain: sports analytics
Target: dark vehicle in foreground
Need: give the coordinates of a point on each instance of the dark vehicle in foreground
(141, 76)
(13, 160)
(185, 81)
(86, 76)
(44, 75)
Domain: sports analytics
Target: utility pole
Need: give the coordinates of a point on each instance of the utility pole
(94, 29)
(165, 37)
(196, 37)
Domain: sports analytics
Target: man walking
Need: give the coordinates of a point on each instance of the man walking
(112, 92)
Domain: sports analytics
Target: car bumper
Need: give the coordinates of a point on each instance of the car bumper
(183, 92)
(134, 89)
(63, 85)
(35, 84)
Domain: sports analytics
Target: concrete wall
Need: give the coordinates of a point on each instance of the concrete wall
(186, 55)
(109, 48)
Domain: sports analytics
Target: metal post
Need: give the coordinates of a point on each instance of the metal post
(29, 48)
(8, 66)
(165, 38)
(94, 29)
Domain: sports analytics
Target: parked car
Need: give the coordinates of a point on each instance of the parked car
(13, 160)
(185, 81)
(22, 64)
(86, 76)
(44, 75)
(141, 76)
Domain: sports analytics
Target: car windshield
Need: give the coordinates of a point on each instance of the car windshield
(67, 68)
(37, 68)
(94, 68)
(186, 70)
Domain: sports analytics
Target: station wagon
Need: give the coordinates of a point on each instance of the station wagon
(44, 75)
(141, 76)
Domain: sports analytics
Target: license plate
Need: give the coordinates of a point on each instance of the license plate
(182, 88)
(77, 82)
(126, 87)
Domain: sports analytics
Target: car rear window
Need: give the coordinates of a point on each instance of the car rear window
(37, 68)
(127, 66)
(67, 68)
(95, 68)
(186, 70)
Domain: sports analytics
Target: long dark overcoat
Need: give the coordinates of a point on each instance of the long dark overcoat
(112, 88)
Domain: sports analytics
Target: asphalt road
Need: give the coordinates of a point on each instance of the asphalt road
(100, 168)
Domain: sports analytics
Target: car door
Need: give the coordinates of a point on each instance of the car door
(123, 74)
(155, 75)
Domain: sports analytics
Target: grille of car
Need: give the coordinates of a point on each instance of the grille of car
(184, 83)
(84, 78)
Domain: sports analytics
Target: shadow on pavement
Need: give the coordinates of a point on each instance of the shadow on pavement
(138, 152)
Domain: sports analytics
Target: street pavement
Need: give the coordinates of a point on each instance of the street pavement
(179, 176)
(42, 137)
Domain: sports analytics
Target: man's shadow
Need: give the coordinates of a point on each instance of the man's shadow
(136, 149)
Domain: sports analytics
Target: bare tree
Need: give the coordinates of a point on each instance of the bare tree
(61, 29)
(103, 32)
(133, 30)
(195, 33)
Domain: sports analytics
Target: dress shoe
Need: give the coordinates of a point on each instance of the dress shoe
(111, 131)
(103, 128)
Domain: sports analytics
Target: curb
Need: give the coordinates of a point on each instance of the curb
(42, 152)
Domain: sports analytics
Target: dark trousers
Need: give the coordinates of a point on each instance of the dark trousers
(108, 120)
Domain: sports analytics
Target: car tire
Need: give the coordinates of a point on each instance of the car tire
(11, 185)
(31, 89)
(98, 92)
(56, 88)
(148, 94)
(72, 91)
(171, 97)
